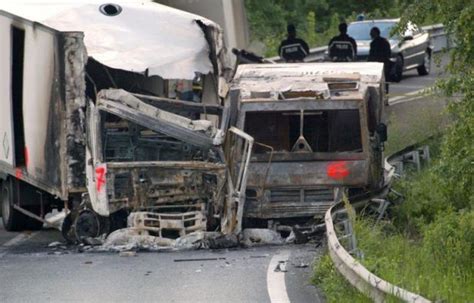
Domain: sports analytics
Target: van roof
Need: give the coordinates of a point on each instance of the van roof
(257, 79)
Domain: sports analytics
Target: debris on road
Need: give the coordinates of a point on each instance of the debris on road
(55, 244)
(260, 236)
(301, 265)
(281, 267)
(127, 239)
(128, 254)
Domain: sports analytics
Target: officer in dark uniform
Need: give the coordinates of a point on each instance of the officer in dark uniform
(293, 49)
(380, 50)
(342, 47)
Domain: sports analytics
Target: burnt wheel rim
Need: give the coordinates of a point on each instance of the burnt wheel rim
(87, 225)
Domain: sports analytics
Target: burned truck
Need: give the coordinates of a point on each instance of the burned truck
(316, 126)
(112, 109)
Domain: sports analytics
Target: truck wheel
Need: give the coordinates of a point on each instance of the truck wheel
(89, 224)
(67, 231)
(424, 69)
(12, 219)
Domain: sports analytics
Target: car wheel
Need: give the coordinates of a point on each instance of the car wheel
(397, 70)
(424, 68)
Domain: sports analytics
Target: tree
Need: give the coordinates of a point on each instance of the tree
(456, 170)
(315, 20)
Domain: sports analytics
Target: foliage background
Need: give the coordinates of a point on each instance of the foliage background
(316, 20)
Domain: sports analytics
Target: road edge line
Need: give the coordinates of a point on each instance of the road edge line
(276, 285)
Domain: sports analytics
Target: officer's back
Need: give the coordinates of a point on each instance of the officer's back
(293, 49)
(342, 47)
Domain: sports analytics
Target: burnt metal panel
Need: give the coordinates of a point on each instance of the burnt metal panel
(127, 106)
(285, 210)
(181, 107)
(307, 173)
(162, 184)
(289, 202)
(299, 104)
(75, 58)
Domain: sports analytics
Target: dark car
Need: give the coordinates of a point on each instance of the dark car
(410, 49)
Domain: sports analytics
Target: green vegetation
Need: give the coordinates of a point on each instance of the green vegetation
(316, 20)
(428, 246)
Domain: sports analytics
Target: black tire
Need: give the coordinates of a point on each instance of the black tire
(89, 224)
(425, 68)
(13, 220)
(396, 73)
(66, 230)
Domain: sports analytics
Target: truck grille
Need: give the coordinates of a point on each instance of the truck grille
(289, 203)
(301, 195)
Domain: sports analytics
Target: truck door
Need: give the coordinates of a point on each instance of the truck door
(237, 153)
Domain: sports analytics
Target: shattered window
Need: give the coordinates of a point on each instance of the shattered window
(310, 131)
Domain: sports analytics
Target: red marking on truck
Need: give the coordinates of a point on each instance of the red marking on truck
(18, 173)
(337, 170)
(100, 177)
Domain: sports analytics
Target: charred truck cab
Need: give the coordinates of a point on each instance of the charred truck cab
(317, 126)
(117, 123)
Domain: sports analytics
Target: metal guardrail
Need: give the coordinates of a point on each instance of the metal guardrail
(352, 270)
(438, 36)
(361, 278)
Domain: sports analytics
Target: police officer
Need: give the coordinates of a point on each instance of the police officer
(342, 47)
(293, 49)
(380, 50)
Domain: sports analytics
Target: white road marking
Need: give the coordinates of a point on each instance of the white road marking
(276, 285)
(15, 241)
(420, 92)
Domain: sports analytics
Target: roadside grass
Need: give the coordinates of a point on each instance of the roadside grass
(333, 284)
(427, 246)
(438, 266)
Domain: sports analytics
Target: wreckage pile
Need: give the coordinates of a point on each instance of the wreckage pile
(132, 238)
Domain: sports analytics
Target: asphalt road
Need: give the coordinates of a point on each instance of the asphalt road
(30, 271)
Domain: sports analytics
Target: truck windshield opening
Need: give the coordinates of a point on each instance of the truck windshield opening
(324, 131)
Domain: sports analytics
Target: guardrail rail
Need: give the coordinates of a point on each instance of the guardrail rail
(351, 269)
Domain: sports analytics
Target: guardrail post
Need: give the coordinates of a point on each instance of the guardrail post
(425, 153)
